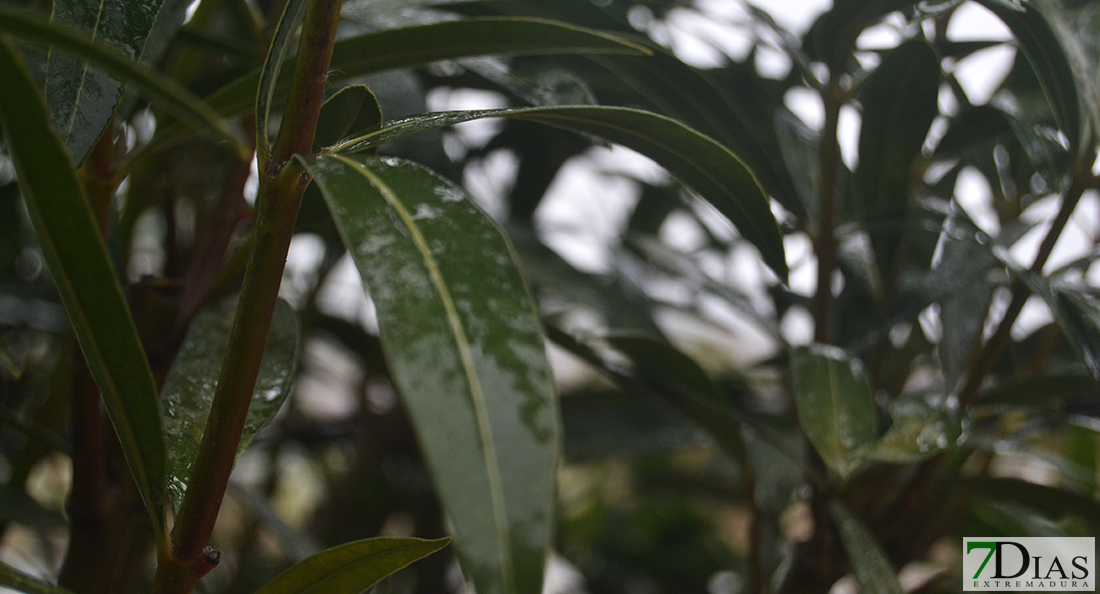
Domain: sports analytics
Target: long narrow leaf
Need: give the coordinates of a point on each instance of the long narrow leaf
(280, 44)
(81, 100)
(353, 567)
(189, 387)
(704, 165)
(165, 92)
(17, 580)
(873, 570)
(81, 268)
(465, 348)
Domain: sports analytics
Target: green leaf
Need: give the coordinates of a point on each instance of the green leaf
(81, 100)
(832, 37)
(699, 162)
(899, 103)
(923, 425)
(465, 349)
(17, 580)
(193, 378)
(874, 572)
(353, 567)
(269, 75)
(835, 406)
(165, 92)
(349, 110)
(416, 46)
(86, 282)
(1046, 49)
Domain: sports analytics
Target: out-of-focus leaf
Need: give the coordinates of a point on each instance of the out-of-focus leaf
(1051, 500)
(349, 110)
(296, 545)
(193, 378)
(899, 103)
(7, 363)
(292, 16)
(16, 506)
(465, 349)
(699, 162)
(604, 425)
(416, 46)
(833, 35)
(874, 572)
(81, 269)
(165, 92)
(81, 100)
(1043, 391)
(835, 406)
(1049, 52)
(923, 425)
(353, 567)
(17, 580)
(963, 313)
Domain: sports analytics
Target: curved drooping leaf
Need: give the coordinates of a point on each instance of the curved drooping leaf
(351, 568)
(1044, 48)
(86, 282)
(17, 580)
(835, 407)
(833, 35)
(699, 162)
(349, 110)
(874, 572)
(269, 74)
(83, 100)
(416, 46)
(189, 387)
(465, 349)
(165, 92)
(899, 103)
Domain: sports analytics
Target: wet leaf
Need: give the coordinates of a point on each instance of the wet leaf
(874, 572)
(351, 109)
(835, 406)
(702, 164)
(192, 379)
(899, 103)
(465, 349)
(82, 100)
(165, 92)
(269, 75)
(923, 425)
(81, 268)
(19, 581)
(351, 568)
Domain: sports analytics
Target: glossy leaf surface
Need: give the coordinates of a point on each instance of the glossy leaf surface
(464, 347)
(86, 281)
(351, 568)
(349, 110)
(699, 162)
(83, 100)
(834, 405)
(873, 569)
(193, 378)
(923, 425)
(269, 75)
(17, 580)
(166, 93)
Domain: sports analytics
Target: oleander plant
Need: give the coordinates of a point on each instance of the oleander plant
(323, 296)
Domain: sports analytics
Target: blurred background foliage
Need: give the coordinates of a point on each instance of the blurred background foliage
(687, 392)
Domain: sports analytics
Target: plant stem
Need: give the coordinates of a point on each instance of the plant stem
(280, 195)
(825, 242)
(993, 348)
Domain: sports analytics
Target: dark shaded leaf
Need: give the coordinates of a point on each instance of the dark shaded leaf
(86, 282)
(899, 103)
(349, 110)
(353, 567)
(923, 425)
(699, 162)
(835, 406)
(17, 580)
(832, 37)
(465, 349)
(193, 378)
(874, 572)
(165, 92)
